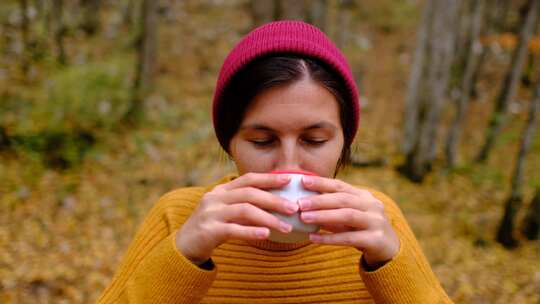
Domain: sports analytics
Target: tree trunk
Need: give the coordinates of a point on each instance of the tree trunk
(90, 22)
(412, 101)
(526, 140)
(505, 235)
(343, 28)
(442, 44)
(317, 13)
(531, 223)
(25, 62)
(527, 77)
(127, 13)
(44, 13)
(5, 141)
(147, 45)
(59, 30)
(467, 84)
(40, 8)
(496, 23)
(435, 72)
(511, 82)
(463, 26)
(502, 8)
(262, 11)
(146, 59)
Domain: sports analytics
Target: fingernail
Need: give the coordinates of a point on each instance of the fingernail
(291, 207)
(307, 216)
(261, 233)
(308, 181)
(304, 203)
(284, 227)
(284, 178)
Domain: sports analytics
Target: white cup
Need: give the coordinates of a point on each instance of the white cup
(293, 191)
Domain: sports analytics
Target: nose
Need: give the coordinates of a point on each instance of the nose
(289, 157)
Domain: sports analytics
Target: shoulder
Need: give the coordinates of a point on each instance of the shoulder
(175, 206)
(187, 196)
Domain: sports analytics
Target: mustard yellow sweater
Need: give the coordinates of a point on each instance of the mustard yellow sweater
(153, 271)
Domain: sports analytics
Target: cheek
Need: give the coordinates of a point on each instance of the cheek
(332, 149)
(331, 155)
(327, 157)
(322, 161)
(249, 159)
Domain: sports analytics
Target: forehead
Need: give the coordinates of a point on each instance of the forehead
(300, 103)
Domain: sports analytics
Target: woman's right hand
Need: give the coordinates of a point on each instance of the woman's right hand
(234, 210)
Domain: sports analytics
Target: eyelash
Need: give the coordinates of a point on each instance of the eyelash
(266, 143)
(315, 142)
(262, 143)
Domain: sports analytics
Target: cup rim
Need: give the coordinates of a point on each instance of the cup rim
(293, 172)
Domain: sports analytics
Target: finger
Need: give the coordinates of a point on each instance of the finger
(334, 201)
(247, 213)
(258, 180)
(346, 216)
(260, 198)
(326, 185)
(336, 228)
(241, 232)
(358, 239)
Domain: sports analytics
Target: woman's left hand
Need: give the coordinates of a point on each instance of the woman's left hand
(354, 216)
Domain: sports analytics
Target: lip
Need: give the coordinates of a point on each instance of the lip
(293, 172)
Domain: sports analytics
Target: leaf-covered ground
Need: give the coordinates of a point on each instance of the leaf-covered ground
(62, 232)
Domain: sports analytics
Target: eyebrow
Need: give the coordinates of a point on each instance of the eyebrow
(261, 127)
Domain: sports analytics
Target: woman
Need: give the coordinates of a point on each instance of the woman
(285, 100)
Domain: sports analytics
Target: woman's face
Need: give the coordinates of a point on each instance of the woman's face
(291, 127)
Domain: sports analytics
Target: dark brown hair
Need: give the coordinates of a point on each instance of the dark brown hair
(277, 70)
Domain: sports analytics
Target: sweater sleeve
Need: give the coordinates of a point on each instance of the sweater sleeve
(153, 270)
(408, 277)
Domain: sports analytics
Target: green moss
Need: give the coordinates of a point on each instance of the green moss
(89, 97)
(62, 121)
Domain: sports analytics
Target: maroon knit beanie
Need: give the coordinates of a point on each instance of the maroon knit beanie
(287, 37)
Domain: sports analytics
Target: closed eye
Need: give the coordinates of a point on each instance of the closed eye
(314, 142)
(262, 143)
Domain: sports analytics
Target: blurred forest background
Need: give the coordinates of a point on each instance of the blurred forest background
(104, 106)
